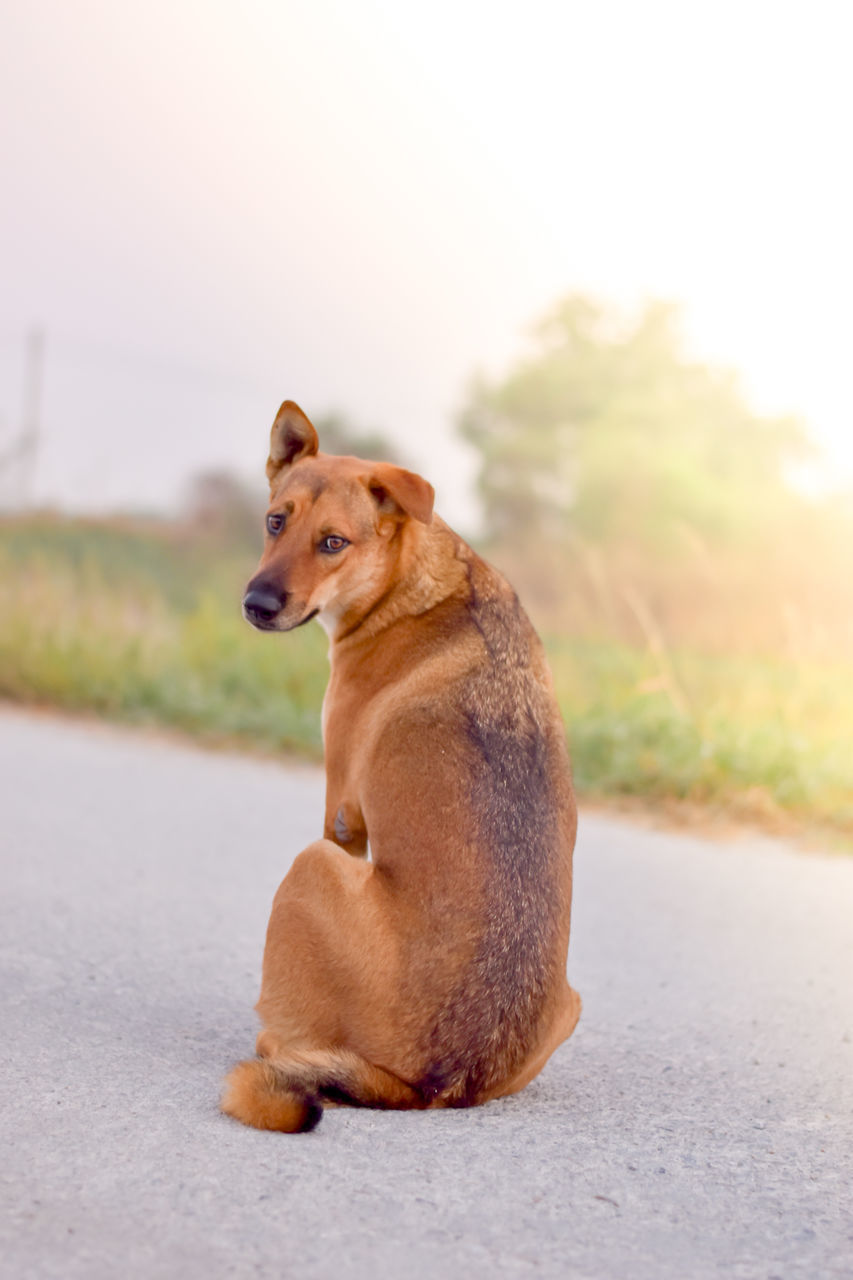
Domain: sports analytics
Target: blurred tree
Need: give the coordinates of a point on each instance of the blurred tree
(606, 431)
(224, 510)
(338, 435)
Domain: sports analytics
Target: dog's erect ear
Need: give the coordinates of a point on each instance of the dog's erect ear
(292, 437)
(396, 490)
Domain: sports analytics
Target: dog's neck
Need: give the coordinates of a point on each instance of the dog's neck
(430, 568)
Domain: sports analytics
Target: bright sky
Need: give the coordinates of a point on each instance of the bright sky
(212, 206)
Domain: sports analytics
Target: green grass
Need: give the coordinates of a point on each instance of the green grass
(156, 637)
(139, 627)
(764, 738)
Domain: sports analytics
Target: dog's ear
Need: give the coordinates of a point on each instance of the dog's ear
(397, 491)
(292, 437)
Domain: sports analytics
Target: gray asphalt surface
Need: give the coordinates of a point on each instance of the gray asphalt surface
(697, 1124)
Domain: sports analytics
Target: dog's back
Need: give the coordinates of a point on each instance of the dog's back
(519, 792)
(515, 821)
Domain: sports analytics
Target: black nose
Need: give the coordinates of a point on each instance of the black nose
(262, 605)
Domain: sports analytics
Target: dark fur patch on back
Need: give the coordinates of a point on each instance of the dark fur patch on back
(484, 1032)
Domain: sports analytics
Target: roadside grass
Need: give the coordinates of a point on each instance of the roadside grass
(139, 626)
(762, 739)
(143, 629)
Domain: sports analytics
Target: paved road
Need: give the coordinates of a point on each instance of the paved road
(697, 1124)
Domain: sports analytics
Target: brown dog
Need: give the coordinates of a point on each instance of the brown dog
(434, 973)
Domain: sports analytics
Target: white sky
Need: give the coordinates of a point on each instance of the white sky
(212, 206)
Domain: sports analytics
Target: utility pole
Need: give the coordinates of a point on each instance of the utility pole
(30, 438)
(19, 462)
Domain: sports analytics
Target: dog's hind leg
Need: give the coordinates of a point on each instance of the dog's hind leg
(285, 1092)
(331, 978)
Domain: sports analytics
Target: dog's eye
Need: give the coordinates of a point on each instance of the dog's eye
(275, 524)
(333, 543)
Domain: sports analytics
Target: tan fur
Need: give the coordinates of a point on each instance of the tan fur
(252, 1095)
(432, 974)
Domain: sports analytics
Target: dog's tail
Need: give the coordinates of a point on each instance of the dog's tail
(287, 1092)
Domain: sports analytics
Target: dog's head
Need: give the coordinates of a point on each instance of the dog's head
(334, 530)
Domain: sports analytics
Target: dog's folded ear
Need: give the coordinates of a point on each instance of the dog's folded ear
(397, 491)
(292, 437)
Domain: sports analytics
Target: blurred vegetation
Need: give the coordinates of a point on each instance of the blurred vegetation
(339, 435)
(607, 432)
(697, 610)
(141, 622)
(633, 494)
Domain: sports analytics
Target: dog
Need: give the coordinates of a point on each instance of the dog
(416, 954)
